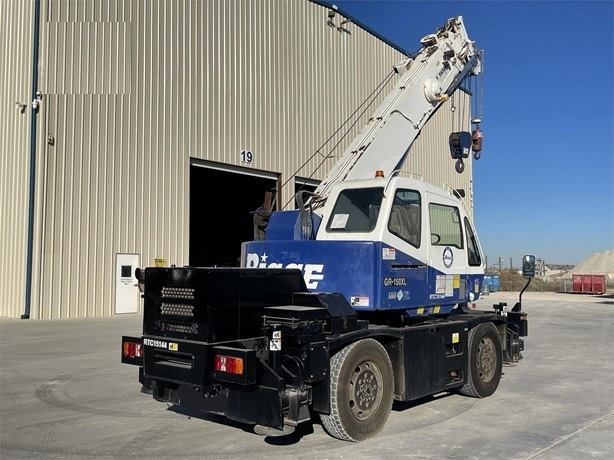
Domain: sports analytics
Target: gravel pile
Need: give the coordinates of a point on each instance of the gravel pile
(600, 263)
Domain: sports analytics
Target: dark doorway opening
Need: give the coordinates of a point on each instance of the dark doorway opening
(221, 214)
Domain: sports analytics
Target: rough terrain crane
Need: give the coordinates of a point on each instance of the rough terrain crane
(361, 297)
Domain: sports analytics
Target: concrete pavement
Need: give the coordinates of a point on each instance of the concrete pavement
(65, 395)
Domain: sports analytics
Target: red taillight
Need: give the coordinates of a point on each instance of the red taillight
(229, 364)
(133, 350)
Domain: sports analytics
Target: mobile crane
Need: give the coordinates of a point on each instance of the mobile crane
(358, 298)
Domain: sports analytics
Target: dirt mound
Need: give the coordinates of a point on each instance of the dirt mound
(600, 263)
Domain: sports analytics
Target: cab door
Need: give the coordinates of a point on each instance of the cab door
(405, 275)
(447, 254)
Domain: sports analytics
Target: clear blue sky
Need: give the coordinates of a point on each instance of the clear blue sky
(545, 181)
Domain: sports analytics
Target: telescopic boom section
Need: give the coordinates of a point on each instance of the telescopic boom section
(427, 80)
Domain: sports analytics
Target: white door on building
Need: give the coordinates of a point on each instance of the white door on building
(126, 286)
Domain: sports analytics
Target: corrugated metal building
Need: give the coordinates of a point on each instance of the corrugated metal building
(159, 126)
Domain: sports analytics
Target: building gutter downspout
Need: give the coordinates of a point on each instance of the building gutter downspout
(35, 101)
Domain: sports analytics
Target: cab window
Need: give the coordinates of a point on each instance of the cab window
(473, 248)
(445, 225)
(405, 219)
(356, 210)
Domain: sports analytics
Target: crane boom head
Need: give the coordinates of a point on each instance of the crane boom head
(427, 79)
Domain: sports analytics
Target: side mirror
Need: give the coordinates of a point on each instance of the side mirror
(528, 266)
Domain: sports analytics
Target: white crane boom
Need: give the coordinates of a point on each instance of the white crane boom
(427, 80)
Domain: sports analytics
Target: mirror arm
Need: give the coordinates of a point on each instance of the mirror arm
(518, 305)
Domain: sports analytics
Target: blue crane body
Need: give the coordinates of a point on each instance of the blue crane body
(400, 244)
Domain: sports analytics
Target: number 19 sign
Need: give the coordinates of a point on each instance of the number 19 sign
(246, 156)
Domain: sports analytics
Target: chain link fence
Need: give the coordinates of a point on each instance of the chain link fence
(536, 286)
(512, 281)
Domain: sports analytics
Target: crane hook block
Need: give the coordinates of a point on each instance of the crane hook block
(460, 144)
(476, 140)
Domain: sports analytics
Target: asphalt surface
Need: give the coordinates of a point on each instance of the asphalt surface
(65, 395)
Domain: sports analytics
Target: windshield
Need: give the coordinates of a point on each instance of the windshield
(356, 210)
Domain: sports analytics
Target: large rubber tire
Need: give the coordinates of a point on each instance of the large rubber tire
(485, 361)
(361, 391)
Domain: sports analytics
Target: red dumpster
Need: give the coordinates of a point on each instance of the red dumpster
(588, 284)
(599, 284)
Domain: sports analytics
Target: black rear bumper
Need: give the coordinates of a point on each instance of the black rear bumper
(259, 396)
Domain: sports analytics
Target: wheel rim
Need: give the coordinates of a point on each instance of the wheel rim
(365, 390)
(487, 359)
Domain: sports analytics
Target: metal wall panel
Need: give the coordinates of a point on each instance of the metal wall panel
(16, 17)
(283, 81)
(134, 89)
